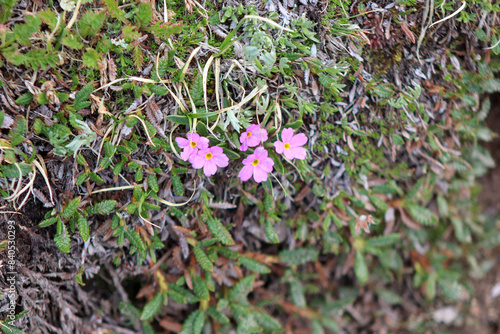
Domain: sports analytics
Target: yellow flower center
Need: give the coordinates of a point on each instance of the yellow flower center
(287, 146)
(255, 162)
(249, 134)
(209, 156)
(192, 144)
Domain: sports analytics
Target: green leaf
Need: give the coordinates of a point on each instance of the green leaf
(25, 99)
(70, 208)
(129, 310)
(299, 256)
(200, 288)
(82, 105)
(135, 239)
(103, 208)
(91, 58)
(13, 172)
(179, 119)
(159, 90)
(83, 227)
(84, 93)
(220, 232)
(198, 322)
(81, 178)
(62, 239)
(220, 317)
(177, 185)
(7, 6)
(360, 268)
(203, 259)
(230, 154)
(384, 240)
(278, 166)
(48, 222)
(267, 322)
(422, 214)
(114, 10)
(152, 307)
(254, 265)
(241, 289)
(17, 131)
(187, 327)
(297, 293)
(90, 23)
(229, 253)
(153, 183)
(294, 125)
(271, 234)
(383, 91)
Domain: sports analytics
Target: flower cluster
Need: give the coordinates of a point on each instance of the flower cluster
(258, 165)
(196, 151)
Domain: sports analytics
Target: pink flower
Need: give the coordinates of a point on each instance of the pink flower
(257, 164)
(291, 146)
(209, 159)
(254, 136)
(191, 145)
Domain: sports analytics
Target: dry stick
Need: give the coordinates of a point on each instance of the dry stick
(75, 14)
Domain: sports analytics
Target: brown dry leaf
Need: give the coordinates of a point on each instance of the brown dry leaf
(432, 88)
(147, 291)
(139, 40)
(302, 194)
(408, 221)
(177, 259)
(349, 262)
(222, 205)
(112, 69)
(182, 230)
(103, 66)
(408, 32)
(170, 324)
(416, 257)
(152, 110)
(6, 103)
(363, 222)
(189, 281)
(314, 89)
(189, 5)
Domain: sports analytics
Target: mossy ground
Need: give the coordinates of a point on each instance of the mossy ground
(379, 230)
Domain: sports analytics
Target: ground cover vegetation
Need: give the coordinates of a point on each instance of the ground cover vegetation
(260, 166)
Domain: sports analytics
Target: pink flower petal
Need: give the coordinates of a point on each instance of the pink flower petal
(203, 143)
(244, 146)
(263, 134)
(259, 174)
(279, 146)
(267, 164)
(216, 150)
(198, 160)
(188, 151)
(254, 128)
(243, 137)
(182, 142)
(253, 141)
(260, 152)
(286, 135)
(210, 168)
(298, 152)
(221, 160)
(193, 136)
(248, 160)
(299, 139)
(245, 173)
(289, 154)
